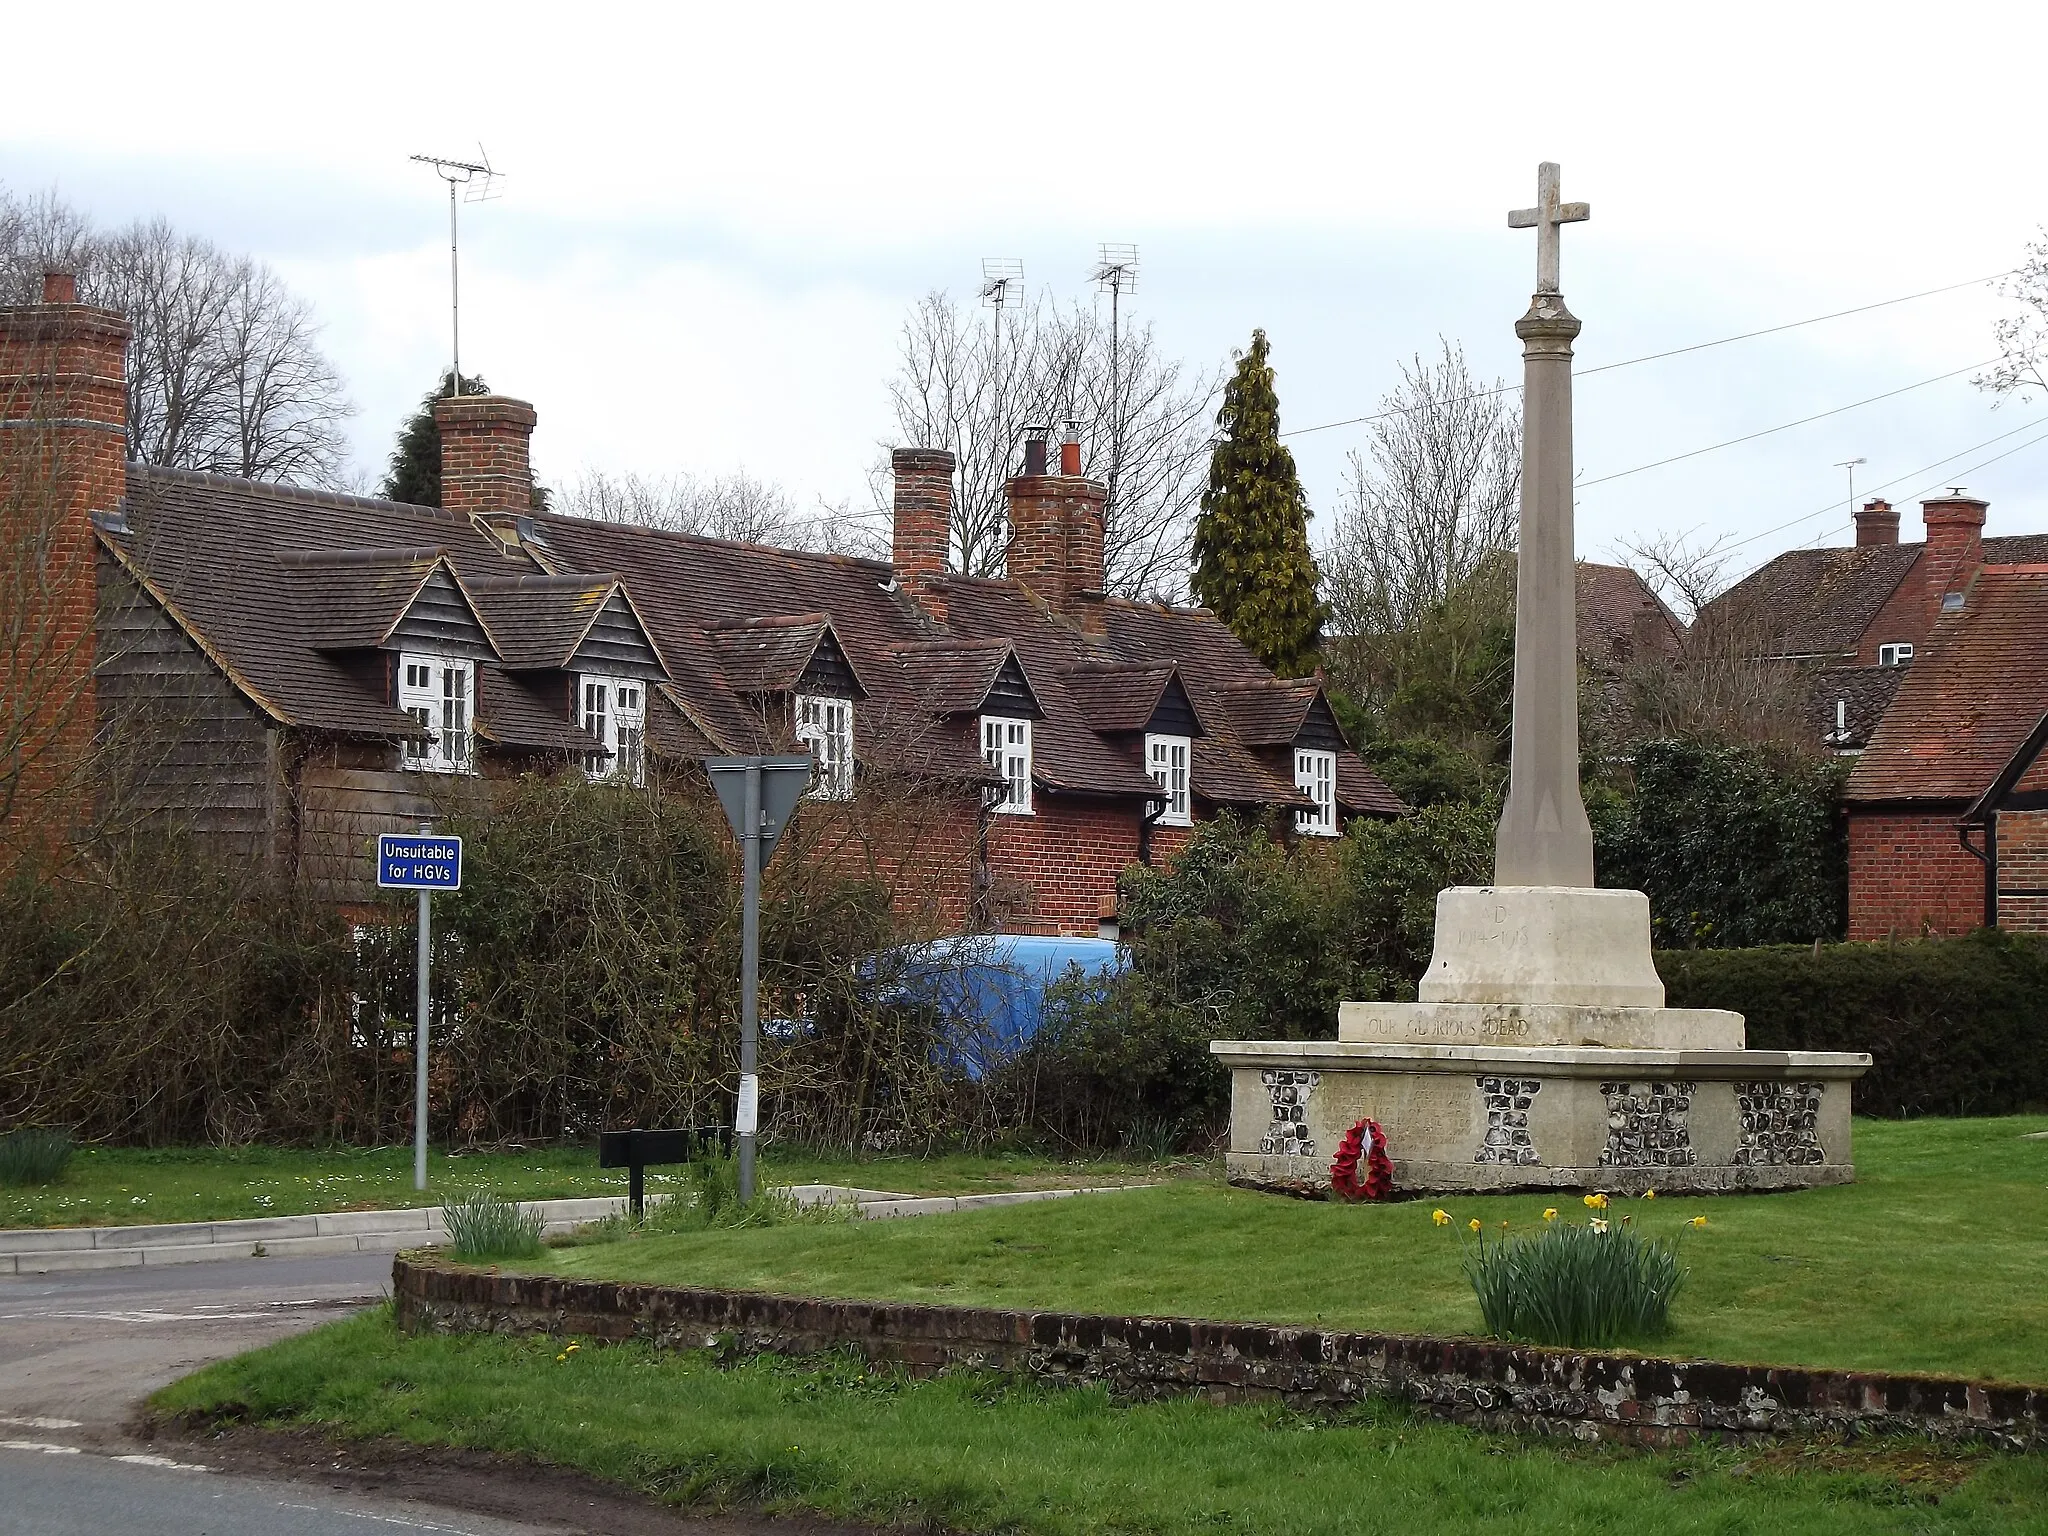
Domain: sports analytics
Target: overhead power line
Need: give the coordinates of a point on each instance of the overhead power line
(1750, 437)
(1651, 357)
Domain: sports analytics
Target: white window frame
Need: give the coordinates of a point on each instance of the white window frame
(1167, 759)
(440, 693)
(1895, 653)
(1315, 775)
(1006, 746)
(824, 725)
(614, 710)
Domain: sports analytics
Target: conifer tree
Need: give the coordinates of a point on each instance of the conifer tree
(414, 473)
(1252, 562)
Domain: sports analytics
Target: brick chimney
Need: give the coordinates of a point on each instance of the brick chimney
(1056, 529)
(486, 470)
(1877, 522)
(923, 511)
(63, 462)
(1955, 544)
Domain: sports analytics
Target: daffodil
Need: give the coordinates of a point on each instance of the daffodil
(1649, 1194)
(1473, 1223)
(1599, 1225)
(1441, 1217)
(1597, 1202)
(1550, 1213)
(1697, 1221)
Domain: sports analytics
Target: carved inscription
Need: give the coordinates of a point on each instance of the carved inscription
(1507, 1120)
(1780, 1124)
(1648, 1125)
(1287, 1135)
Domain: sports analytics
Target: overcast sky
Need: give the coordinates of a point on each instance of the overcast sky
(714, 217)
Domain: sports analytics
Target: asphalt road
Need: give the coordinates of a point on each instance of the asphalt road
(79, 1352)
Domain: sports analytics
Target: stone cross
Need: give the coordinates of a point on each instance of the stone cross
(1544, 838)
(1546, 218)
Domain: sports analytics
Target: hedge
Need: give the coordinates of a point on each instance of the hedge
(1954, 1026)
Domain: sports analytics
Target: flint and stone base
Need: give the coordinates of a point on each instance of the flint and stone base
(1465, 1118)
(1541, 1056)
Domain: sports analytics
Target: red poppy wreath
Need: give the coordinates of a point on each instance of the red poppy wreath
(1362, 1170)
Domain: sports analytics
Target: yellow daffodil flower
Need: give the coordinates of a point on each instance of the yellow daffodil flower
(1550, 1213)
(1440, 1217)
(1473, 1223)
(1697, 1221)
(1649, 1194)
(1597, 1202)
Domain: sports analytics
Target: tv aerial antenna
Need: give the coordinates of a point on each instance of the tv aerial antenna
(1116, 274)
(1002, 284)
(478, 182)
(1850, 465)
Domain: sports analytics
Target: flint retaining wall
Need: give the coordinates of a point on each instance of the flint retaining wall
(1495, 1386)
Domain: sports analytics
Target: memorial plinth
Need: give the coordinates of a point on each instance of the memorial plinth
(1541, 1056)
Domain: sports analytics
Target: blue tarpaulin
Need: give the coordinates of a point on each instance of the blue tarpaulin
(990, 988)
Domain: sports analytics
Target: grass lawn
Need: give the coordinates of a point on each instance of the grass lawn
(973, 1455)
(1936, 1260)
(121, 1186)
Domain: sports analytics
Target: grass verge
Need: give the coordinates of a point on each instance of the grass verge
(125, 1186)
(1931, 1262)
(972, 1454)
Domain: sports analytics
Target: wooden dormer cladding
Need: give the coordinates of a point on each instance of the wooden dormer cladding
(1319, 728)
(440, 620)
(968, 677)
(567, 624)
(382, 599)
(1010, 693)
(1126, 698)
(800, 654)
(618, 641)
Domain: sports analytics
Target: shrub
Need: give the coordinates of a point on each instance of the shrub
(1587, 1286)
(1953, 1026)
(33, 1156)
(485, 1225)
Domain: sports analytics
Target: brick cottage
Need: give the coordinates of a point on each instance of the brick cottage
(316, 668)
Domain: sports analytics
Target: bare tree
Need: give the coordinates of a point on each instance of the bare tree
(225, 372)
(736, 506)
(1433, 497)
(1686, 575)
(2022, 366)
(1147, 438)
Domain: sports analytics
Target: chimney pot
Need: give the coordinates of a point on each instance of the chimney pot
(1034, 449)
(60, 288)
(1070, 449)
(1877, 522)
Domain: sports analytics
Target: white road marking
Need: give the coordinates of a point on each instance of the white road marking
(204, 1312)
(33, 1422)
(357, 1514)
(38, 1445)
(141, 1460)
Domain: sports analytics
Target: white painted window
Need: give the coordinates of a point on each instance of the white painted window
(1166, 759)
(439, 692)
(1897, 654)
(614, 710)
(1315, 775)
(1006, 743)
(825, 727)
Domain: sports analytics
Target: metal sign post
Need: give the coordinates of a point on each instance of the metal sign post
(425, 864)
(759, 794)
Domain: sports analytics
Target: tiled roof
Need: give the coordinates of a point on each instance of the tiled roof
(1969, 698)
(538, 621)
(1864, 694)
(1619, 615)
(1269, 712)
(232, 561)
(1815, 602)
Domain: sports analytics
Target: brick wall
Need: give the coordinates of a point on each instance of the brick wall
(1049, 872)
(1615, 1395)
(1905, 615)
(2023, 866)
(1908, 875)
(63, 451)
(1055, 545)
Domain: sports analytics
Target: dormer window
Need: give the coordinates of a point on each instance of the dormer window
(1315, 775)
(614, 710)
(438, 691)
(825, 728)
(1898, 653)
(1166, 759)
(1006, 744)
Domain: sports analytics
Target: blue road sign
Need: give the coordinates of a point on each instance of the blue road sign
(418, 861)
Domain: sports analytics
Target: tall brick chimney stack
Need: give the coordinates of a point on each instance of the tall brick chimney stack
(1056, 529)
(1877, 522)
(63, 461)
(1955, 544)
(486, 467)
(923, 515)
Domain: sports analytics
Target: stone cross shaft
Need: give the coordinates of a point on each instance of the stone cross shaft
(1544, 838)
